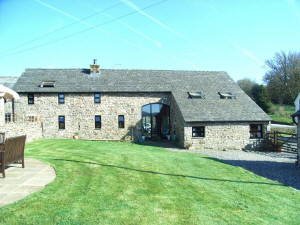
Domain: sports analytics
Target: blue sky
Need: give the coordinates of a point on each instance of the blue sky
(233, 36)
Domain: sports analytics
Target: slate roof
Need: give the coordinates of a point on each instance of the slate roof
(8, 81)
(179, 83)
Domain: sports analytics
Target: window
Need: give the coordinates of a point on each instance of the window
(226, 95)
(121, 121)
(30, 99)
(197, 94)
(61, 122)
(47, 84)
(32, 119)
(61, 98)
(256, 131)
(97, 122)
(7, 117)
(97, 98)
(198, 131)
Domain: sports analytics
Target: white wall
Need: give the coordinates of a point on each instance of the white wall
(2, 112)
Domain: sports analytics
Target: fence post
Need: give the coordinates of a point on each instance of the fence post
(298, 144)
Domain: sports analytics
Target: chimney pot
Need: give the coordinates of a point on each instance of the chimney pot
(94, 68)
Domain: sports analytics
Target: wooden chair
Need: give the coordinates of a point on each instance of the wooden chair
(12, 151)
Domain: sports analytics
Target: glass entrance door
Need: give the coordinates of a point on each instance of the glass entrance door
(156, 120)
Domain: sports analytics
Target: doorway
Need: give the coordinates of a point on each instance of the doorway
(156, 121)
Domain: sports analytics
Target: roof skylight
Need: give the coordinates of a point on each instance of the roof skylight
(226, 95)
(197, 94)
(47, 84)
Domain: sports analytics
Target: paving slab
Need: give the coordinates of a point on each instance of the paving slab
(21, 182)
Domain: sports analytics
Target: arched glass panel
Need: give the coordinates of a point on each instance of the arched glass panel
(156, 120)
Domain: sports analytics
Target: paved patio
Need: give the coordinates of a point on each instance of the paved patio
(21, 182)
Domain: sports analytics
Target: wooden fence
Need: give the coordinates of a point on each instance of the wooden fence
(282, 141)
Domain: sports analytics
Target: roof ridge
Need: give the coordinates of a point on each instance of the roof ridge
(9, 76)
(53, 69)
(158, 70)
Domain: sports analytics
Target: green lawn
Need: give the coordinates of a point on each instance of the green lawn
(282, 113)
(124, 183)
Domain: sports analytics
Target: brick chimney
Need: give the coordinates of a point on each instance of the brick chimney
(94, 68)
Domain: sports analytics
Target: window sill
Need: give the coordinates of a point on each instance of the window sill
(97, 129)
(198, 137)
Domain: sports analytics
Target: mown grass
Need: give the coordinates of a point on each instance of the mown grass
(124, 183)
(282, 113)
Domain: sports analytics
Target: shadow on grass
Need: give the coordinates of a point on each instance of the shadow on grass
(283, 172)
(160, 144)
(169, 174)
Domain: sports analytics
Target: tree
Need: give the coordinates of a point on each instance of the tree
(283, 77)
(246, 85)
(257, 92)
(260, 96)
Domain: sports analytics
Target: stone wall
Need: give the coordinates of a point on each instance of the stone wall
(32, 130)
(177, 124)
(80, 110)
(220, 136)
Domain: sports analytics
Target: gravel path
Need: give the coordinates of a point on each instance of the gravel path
(272, 165)
(277, 166)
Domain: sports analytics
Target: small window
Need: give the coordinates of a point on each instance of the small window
(30, 99)
(7, 117)
(197, 94)
(97, 98)
(256, 131)
(32, 119)
(97, 122)
(61, 98)
(47, 84)
(61, 122)
(198, 131)
(121, 121)
(226, 95)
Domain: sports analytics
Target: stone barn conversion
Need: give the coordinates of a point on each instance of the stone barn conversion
(195, 109)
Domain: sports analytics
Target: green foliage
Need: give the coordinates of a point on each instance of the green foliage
(282, 113)
(260, 96)
(246, 85)
(124, 183)
(257, 92)
(283, 77)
